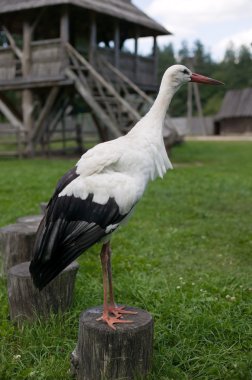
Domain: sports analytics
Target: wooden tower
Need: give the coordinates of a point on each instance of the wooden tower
(58, 56)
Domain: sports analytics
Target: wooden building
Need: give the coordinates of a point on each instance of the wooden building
(235, 115)
(68, 56)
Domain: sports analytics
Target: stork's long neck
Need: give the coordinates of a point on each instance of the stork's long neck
(152, 123)
(161, 104)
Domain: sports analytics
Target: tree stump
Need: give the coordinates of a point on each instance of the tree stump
(16, 243)
(102, 353)
(26, 302)
(30, 219)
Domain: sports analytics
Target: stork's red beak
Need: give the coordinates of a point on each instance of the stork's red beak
(202, 79)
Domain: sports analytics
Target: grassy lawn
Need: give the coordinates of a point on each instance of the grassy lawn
(185, 257)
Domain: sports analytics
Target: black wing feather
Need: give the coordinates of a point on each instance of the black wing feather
(70, 226)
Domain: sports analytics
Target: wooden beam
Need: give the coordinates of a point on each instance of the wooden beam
(64, 32)
(12, 42)
(44, 112)
(89, 99)
(9, 114)
(93, 37)
(27, 96)
(64, 25)
(32, 82)
(117, 44)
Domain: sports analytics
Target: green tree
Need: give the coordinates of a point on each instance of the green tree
(166, 59)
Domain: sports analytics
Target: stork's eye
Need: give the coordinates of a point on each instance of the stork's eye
(186, 72)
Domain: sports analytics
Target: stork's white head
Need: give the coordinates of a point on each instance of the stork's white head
(177, 75)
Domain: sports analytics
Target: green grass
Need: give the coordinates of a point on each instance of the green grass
(185, 256)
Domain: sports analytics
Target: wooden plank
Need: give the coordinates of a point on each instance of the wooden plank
(89, 99)
(22, 83)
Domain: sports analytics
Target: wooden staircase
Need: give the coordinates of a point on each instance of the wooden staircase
(116, 104)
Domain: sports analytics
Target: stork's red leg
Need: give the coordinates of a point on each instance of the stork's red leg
(105, 315)
(117, 311)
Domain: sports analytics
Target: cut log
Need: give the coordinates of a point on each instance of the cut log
(27, 303)
(103, 353)
(16, 243)
(30, 219)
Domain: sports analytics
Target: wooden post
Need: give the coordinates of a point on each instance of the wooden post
(64, 25)
(155, 57)
(103, 353)
(27, 97)
(136, 55)
(27, 303)
(93, 38)
(189, 108)
(64, 33)
(16, 243)
(10, 114)
(40, 124)
(199, 107)
(117, 44)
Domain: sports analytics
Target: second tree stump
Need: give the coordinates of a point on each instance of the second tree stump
(26, 302)
(16, 244)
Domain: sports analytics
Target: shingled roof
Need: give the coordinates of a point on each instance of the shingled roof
(236, 103)
(123, 9)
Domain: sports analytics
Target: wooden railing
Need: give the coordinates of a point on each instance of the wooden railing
(47, 58)
(8, 64)
(46, 61)
(137, 68)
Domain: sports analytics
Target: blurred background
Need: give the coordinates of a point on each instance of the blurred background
(95, 71)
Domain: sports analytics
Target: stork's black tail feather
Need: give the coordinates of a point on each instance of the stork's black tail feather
(59, 243)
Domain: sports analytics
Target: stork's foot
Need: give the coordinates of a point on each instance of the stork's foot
(111, 321)
(118, 311)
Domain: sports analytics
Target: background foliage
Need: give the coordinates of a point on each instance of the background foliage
(235, 70)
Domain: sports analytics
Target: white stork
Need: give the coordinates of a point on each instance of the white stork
(97, 196)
